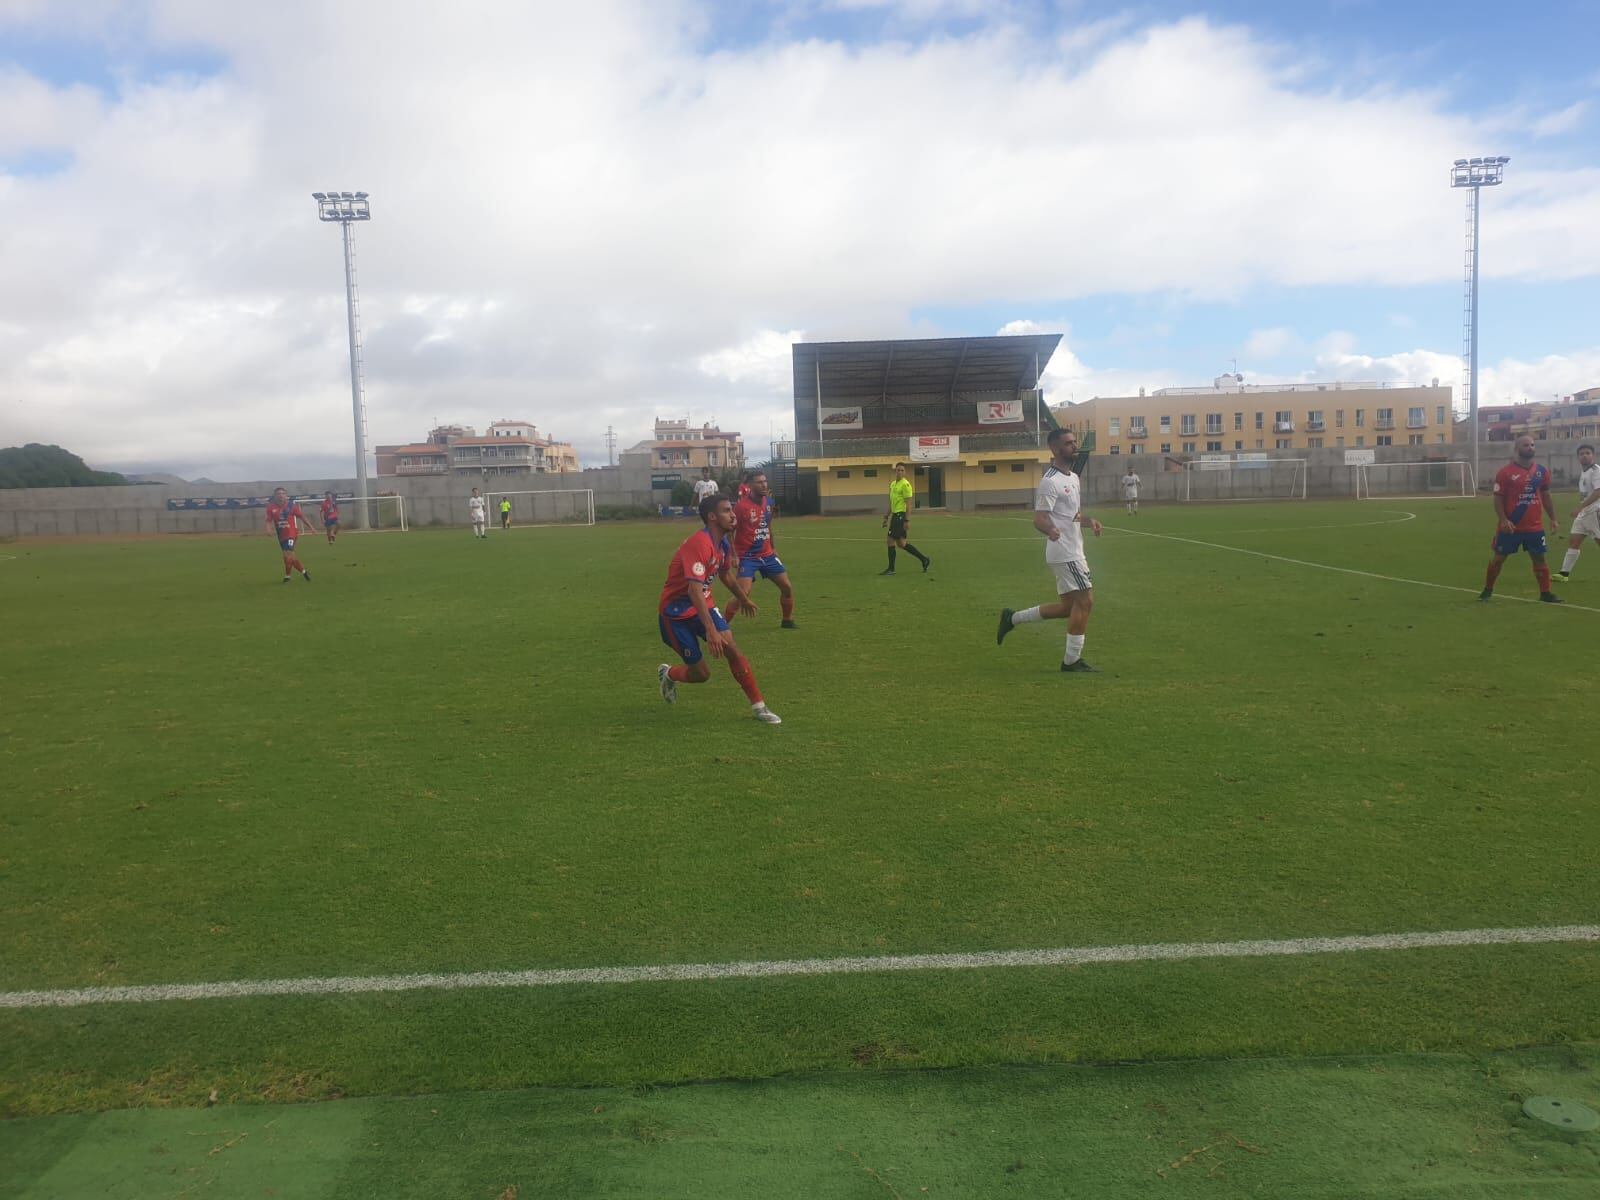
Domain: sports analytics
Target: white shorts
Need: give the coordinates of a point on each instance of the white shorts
(1133, 495)
(1071, 576)
(1588, 523)
(479, 519)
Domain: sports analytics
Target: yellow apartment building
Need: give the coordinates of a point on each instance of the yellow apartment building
(1232, 416)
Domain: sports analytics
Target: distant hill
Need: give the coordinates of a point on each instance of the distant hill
(34, 465)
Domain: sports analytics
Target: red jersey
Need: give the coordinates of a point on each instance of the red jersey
(1523, 489)
(697, 562)
(330, 511)
(753, 535)
(285, 518)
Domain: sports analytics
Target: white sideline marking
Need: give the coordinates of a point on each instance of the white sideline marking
(680, 972)
(1301, 562)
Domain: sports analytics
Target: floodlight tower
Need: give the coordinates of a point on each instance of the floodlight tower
(345, 207)
(1476, 174)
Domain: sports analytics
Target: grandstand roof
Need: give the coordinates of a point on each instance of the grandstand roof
(912, 379)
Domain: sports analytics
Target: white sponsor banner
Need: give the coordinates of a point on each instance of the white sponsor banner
(1360, 458)
(1216, 462)
(943, 448)
(999, 412)
(841, 418)
(1254, 462)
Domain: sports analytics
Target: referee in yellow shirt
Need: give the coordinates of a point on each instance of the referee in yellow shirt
(898, 519)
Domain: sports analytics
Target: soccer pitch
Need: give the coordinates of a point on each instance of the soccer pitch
(448, 756)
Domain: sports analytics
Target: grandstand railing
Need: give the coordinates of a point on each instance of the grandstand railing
(892, 448)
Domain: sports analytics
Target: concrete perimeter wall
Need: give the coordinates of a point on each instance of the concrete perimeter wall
(142, 509)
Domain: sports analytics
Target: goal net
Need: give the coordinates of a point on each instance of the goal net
(385, 514)
(533, 510)
(1414, 481)
(1244, 479)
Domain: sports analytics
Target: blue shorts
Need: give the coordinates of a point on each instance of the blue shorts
(685, 636)
(1507, 544)
(286, 544)
(331, 523)
(768, 567)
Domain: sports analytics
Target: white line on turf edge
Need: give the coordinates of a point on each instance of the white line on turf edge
(690, 972)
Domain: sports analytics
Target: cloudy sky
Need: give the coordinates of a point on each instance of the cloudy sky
(590, 214)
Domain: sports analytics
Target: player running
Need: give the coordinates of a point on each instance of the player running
(478, 514)
(753, 546)
(1586, 517)
(283, 520)
(1521, 498)
(688, 617)
(330, 516)
(1130, 491)
(1058, 514)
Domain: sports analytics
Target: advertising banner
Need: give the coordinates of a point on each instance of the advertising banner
(840, 418)
(942, 448)
(999, 412)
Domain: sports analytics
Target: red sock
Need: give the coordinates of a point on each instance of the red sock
(740, 666)
(1492, 574)
(1541, 572)
(788, 607)
(678, 674)
(297, 565)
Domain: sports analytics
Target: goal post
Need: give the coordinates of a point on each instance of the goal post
(1244, 479)
(540, 509)
(385, 514)
(1451, 480)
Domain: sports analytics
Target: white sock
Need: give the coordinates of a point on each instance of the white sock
(1026, 615)
(1570, 561)
(1074, 648)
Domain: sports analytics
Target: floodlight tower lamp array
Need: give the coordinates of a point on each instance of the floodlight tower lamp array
(345, 208)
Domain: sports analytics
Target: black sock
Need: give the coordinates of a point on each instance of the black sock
(916, 554)
(891, 558)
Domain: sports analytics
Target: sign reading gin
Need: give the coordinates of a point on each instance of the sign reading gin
(941, 448)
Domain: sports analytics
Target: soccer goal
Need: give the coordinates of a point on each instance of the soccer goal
(385, 514)
(1415, 481)
(534, 510)
(1244, 479)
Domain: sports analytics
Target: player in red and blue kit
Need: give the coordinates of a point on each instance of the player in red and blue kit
(283, 521)
(1521, 498)
(688, 617)
(752, 544)
(330, 516)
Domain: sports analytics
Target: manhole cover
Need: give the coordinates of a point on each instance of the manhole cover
(1562, 1114)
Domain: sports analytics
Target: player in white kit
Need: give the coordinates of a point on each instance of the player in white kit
(1586, 517)
(1130, 491)
(478, 514)
(1058, 514)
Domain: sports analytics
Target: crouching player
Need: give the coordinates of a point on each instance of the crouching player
(687, 616)
(753, 547)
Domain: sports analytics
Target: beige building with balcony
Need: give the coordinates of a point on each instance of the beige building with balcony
(1233, 416)
(677, 446)
(509, 448)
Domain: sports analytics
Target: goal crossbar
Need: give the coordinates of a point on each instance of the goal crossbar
(1248, 478)
(542, 507)
(1445, 480)
(387, 514)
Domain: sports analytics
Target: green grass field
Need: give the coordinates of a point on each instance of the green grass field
(450, 755)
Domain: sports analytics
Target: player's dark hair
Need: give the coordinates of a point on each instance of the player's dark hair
(899, 466)
(709, 506)
(1587, 447)
(1055, 435)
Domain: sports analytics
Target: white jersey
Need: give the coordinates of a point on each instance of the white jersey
(1058, 496)
(475, 509)
(704, 488)
(1130, 485)
(1589, 481)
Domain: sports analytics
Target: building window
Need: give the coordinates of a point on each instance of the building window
(1314, 420)
(1314, 443)
(1188, 447)
(1213, 423)
(1238, 445)
(1414, 439)
(1284, 444)
(1017, 468)
(1338, 441)
(1385, 440)
(1238, 422)
(870, 472)
(1258, 443)
(1438, 418)
(1166, 424)
(1258, 420)
(1415, 418)
(1282, 421)
(1166, 447)
(1213, 446)
(1441, 439)
(1338, 418)
(1360, 441)
(1361, 417)
(1187, 423)
(1114, 427)
(841, 474)
(990, 469)
(1116, 449)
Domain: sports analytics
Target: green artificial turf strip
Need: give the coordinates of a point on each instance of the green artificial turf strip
(447, 754)
(1387, 1128)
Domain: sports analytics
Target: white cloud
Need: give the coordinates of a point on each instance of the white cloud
(579, 217)
(1561, 121)
(1271, 343)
